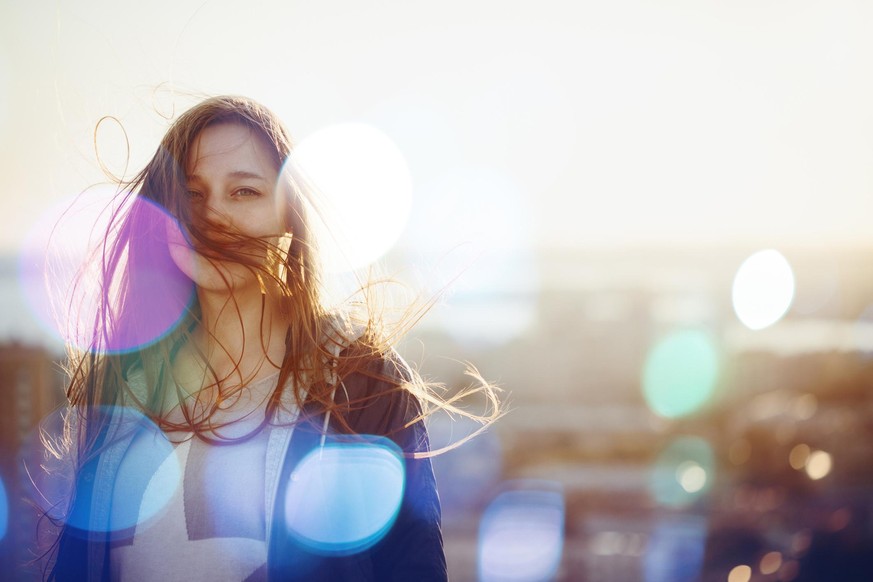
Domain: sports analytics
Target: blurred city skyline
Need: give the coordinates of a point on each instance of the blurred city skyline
(752, 473)
(485, 303)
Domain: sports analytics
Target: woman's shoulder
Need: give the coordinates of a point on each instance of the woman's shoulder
(377, 389)
(375, 371)
(362, 354)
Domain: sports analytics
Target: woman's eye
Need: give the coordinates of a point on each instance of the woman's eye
(194, 195)
(246, 192)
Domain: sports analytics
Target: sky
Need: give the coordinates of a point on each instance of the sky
(550, 125)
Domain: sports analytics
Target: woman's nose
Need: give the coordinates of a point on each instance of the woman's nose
(216, 213)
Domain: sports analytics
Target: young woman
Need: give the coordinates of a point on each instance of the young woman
(296, 447)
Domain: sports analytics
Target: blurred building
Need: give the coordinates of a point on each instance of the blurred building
(31, 386)
(578, 416)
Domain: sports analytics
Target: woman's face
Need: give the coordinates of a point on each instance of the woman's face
(232, 183)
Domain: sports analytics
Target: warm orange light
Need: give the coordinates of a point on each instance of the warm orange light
(805, 406)
(771, 562)
(798, 456)
(741, 573)
(818, 465)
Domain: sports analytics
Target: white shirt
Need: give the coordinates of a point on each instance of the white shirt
(192, 510)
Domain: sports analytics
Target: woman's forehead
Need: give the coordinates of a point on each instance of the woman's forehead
(230, 147)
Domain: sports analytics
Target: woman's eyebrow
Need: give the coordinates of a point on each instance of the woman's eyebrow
(235, 174)
(245, 174)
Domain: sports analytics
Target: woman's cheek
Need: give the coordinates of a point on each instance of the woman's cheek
(180, 250)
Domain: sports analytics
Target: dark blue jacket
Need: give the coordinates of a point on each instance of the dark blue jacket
(411, 550)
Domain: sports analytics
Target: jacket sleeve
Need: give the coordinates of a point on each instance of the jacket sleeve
(413, 547)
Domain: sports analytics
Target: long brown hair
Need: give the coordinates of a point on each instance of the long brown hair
(317, 342)
(321, 347)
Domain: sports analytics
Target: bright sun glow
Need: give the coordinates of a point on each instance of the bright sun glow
(818, 465)
(691, 476)
(763, 289)
(364, 192)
